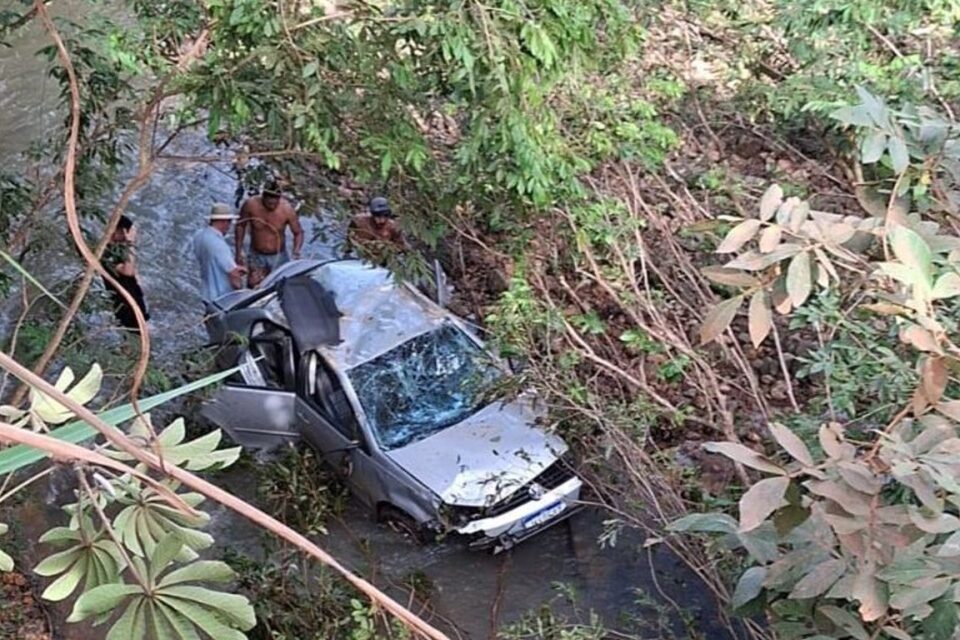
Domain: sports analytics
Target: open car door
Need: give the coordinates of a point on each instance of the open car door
(257, 408)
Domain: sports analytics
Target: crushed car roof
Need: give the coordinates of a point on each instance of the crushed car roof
(377, 313)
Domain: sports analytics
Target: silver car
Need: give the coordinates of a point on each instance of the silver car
(394, 392)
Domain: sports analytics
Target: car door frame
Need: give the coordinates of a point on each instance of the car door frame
(257, 416)
(354, 458)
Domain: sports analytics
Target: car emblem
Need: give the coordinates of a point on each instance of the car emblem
(536, 491)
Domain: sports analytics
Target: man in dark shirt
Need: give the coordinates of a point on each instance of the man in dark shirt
(376, 236)
(120, 262)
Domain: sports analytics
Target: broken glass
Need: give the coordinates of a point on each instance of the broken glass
(423, 386)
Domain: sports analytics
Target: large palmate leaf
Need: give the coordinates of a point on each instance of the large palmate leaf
(90, 556)
(148, 518)
(171, 604)
(195, 455)
(20, 456)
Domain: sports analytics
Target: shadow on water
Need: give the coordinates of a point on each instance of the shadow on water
(474, 592)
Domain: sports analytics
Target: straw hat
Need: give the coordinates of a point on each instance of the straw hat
(221, 211)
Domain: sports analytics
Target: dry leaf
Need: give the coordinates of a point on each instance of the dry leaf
(739, 236)
(719, 319)
(770, 201)
(798, 279)
(791, 444)
(770, 238)
(760, 319)
(933, 376)
(760, 500)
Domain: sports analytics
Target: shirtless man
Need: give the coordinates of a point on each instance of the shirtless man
(268, 215)
(376, 235)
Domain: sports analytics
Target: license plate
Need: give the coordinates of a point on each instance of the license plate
(545, 514)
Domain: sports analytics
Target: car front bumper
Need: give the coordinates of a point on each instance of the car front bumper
(507, 529)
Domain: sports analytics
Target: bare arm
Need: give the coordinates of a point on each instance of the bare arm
(236, 277)
(240, 233)
(294, 221)
(127, 268)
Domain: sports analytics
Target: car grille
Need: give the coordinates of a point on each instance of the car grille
(550, 478)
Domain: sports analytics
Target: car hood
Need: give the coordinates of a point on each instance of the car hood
(485, 458)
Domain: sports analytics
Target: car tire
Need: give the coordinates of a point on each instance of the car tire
(403, 523)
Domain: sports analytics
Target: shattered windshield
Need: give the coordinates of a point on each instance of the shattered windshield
(423, 386)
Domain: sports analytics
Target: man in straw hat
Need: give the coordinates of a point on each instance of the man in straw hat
(219, 274)
(268, 216)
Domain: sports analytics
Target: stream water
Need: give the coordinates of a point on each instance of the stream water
(474, 592)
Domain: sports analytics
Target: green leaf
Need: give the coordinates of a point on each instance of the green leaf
(167, 549)
(857, 116)
(704, 523)
(58, 562)
(760, 500)
(846, 621)
(101, 599)
(913, 251)
(309, 69)
(20, 456)
(202, 618)
(873, 146)
(52, 412)
(29, 277)
(798, 279)
(132, 624)
(947, 286)
(748, 586)
(203, 570)
(65, 584)
(718, 319)
(942, 622)
(925, 591)
(899, 156)
(237, 609)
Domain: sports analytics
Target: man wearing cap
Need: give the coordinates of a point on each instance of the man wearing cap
(377, 234)
(219, 274)
(268, 215)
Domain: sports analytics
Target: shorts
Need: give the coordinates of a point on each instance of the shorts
(267, 262)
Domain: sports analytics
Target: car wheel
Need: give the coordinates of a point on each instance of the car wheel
(403, 523)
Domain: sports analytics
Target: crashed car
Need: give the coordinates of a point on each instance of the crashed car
(393, 392)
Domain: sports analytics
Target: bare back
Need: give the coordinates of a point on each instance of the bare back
(268, 228)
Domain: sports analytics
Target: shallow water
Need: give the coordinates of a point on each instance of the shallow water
(474, 592)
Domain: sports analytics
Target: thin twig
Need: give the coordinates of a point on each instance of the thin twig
(783, 367)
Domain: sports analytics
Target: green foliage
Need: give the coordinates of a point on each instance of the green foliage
(856, 538)
(301, 492)
(805, 57)
(294, 601)
(861, 361)
(131, 525)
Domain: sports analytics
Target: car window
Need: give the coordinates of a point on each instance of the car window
(423, 386)
(327, 395)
